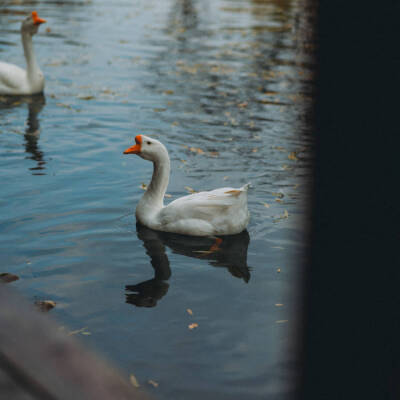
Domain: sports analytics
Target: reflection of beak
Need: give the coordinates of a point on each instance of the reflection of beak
(36, 19)
(135, 149)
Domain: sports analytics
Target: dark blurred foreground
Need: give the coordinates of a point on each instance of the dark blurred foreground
(39, 361)
(351, 324)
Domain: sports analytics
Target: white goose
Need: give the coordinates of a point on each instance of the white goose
(15, 80)
(218, 212)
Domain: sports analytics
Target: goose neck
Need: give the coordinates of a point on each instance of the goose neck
(31, 63)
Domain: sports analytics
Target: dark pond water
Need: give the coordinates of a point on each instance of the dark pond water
(225, 86)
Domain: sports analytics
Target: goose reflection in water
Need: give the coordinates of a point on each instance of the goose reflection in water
(228, 251)
(35, 105)
(32, 133)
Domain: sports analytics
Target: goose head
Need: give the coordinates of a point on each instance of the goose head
(31, 23)
(148, 148)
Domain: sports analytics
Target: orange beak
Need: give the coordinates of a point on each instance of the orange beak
(36, 19)
(135, 149)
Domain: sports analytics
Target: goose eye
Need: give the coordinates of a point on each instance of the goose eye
(149, 143)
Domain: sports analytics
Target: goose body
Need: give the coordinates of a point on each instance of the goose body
(15, 80)
(221, 211)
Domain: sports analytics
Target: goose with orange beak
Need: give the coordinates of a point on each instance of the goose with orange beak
(218, 212)
(15, 80)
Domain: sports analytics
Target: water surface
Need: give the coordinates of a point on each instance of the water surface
(225, 86)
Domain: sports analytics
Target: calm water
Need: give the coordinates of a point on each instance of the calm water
(224, 85)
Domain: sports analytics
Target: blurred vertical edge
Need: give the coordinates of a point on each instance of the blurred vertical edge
(39, 361)
(350, 331)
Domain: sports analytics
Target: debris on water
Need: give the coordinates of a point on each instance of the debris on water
(45, 305)
(281, 321)
(153, 383)
(83, 331)
(193, 326)
(189, 311)
(134, 381)
(190, 190)
(6, 277)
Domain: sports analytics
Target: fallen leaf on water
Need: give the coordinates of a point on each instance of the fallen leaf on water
(255, 150)
(77, 331)
(278, 200)
(86, 333)
(278, 304)
(167, 195)
(86, 97)
(5, 277)
(225, 178)
(189, 189)
(153, 383)
(175, 123)
(278, 270)
(159, 109)
(196, 150)
(45, 305)
(134, 381)
(213, 154)
(266, 205)
(168, 92)
(277, 194)
(143, 186)
(281, 321)
(286, 167)
(189, 311)
(192, 326)
(292, 156)
(243, 105)
(48, 30)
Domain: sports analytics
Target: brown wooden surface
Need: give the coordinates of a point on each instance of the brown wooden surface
(39, 361)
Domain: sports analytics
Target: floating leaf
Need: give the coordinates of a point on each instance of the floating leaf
(278, 304)
(281, 321)
(143, 186)
(277, 194)
(293, 156)
(86, 333)
(159, 109)
(86, 97)
(190, 190)
(5, 277)
(225, 178)
(167, 195)
(77, 331)
(266, 205)
(134, 381)
(213, 153)
(45, 305)
(196, 150)
(243, 105)
(168, 92)
(153, 383)
(193, 326)
(278, 270)
(189, 311)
